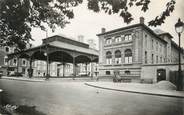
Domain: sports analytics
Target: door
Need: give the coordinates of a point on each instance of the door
(161, 74)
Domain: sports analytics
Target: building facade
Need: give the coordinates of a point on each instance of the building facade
(137, 52)
(58, 56)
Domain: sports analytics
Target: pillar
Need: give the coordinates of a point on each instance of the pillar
(91, 70)
(30, 70)
(63, 69)
(74, 72)
(86, 68)
(17, 65)
(47, 70)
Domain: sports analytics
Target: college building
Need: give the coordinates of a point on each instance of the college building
(138, 53)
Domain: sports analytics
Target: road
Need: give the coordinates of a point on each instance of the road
(75, 98)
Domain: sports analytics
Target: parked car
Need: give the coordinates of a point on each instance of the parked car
(17, 74)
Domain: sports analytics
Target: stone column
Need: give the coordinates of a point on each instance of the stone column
(74, 72)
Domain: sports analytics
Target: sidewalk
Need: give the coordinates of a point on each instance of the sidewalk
(24, 79)
(149, 89)
(82, 79)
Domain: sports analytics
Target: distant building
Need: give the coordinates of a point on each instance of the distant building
(10, 66)
(80, 38)
(91, 43)
(137, 52)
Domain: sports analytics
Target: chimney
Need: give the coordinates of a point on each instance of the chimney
(103, 30)
(141, 20)
(81, 38)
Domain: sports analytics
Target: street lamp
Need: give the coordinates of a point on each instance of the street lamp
(179, 26)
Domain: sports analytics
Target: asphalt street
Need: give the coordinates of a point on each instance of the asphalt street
(75, 98)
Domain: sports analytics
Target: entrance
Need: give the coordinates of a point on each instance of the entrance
(161, 74)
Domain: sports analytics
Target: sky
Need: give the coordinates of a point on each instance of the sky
(89, 23)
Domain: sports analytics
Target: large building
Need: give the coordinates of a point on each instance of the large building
(137, 52)
(58, 56)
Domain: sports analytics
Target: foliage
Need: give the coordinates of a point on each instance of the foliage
(122, 7)
(18, 16)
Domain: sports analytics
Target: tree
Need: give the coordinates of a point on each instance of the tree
(122, 7)
(17, 17)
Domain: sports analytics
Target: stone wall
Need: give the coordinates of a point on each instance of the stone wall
(150, 71)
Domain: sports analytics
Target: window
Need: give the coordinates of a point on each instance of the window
(165, 59)
(127, 72)
(5, 60)
(117, 57)
(14, 61)
(108, 72)
(128, 56)
(23, 62)
(122, 37)
(146, 57)
(156, 59)
(23, 70)
(118, 39)
(156, 46)
(160, 59)
(146, 41)
(7, 49)
(128, 37)
(161, 48)
(152, 44)
(108, 41)
(152, 58)
(108, 57)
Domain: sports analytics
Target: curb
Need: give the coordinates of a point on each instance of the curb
(146, 93)
(28, 80)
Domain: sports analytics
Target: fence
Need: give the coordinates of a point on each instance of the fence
(173, 76)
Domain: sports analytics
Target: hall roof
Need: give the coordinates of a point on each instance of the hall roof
(62, 42)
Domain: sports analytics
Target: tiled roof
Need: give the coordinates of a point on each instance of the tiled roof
(74, 48)
(132, 26)
(161, 32)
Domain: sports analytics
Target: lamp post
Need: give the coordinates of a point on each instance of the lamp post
(179, 26)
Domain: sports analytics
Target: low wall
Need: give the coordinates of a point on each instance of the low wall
(150, 71)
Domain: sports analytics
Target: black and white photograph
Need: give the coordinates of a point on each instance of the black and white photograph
(91, 57)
